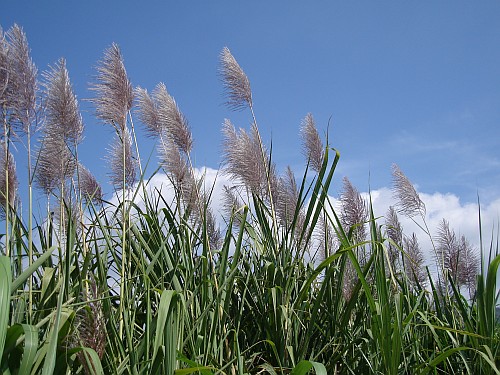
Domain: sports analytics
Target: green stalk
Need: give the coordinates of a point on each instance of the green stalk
(7, 206)
(5, 296)
(268, 173)
(30, 228)
(123, 276)
(135, 142)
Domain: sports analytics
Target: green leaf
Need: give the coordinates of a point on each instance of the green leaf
(5, 287)
(30, 348)
(205, 370)
(30, 270)
(191, 370)
(304, 366)
(51, 355)
(94, 363)
(167, 325)
(443, 356)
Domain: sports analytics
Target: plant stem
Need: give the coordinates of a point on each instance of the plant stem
(30, 227)
(6, 168)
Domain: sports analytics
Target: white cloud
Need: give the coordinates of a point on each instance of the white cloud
(462, 217)
(214, 181)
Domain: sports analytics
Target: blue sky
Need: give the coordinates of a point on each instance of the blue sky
(415, 83)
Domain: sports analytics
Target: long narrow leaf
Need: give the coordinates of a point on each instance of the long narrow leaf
(5, 291)
(30, 270)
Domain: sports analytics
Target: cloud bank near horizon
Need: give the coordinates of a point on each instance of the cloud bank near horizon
(462, 217)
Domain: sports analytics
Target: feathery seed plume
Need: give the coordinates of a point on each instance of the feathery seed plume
(395, 233)
(4, 69)
(161, 115)
(213, 230)
(288, 197)
(242, 158)
(114, 94)
(204, 215)
(458, 256)
(122, 161)
(90, 323)
(63, 130)
(232, 204)
(89, 187)
(414, 261)
(172, 119)
(408, 200)
(148, 112)
(62, 112)
(54, 163)
(175, 165)
(349, 280)
(235, 81)
(353, 211)
(469, 265)
(312, 147)
(447, 248)
(22, 83)
(8, 180)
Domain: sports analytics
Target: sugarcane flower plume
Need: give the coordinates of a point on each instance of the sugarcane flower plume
(447, 246)
(312, 147)
(288, 197)
(394, 227)
(213, 231)
(414, 261)
(8, 180)
(353, 211)
(175, 164)
(89, 186)
(67, 211)
(469, 265)
(204, 214)
(232, 204)
(394, 233)
(22, 80)
(147, 109)
(408, 200)
(161, 115)
(235, 81)
(457, 256)
(4, 68)
(122, 161)
(243, 158)
(90, 324)
(114, 94)
(54, 163)
(62, 113)
(174, 121)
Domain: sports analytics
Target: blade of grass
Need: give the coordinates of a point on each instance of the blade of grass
(51, 354)
(5, 292)
(303, 368)
(30, 348)
(31, 269)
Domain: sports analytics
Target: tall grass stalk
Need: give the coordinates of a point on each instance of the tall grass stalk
(239, 94)
(20, 107)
